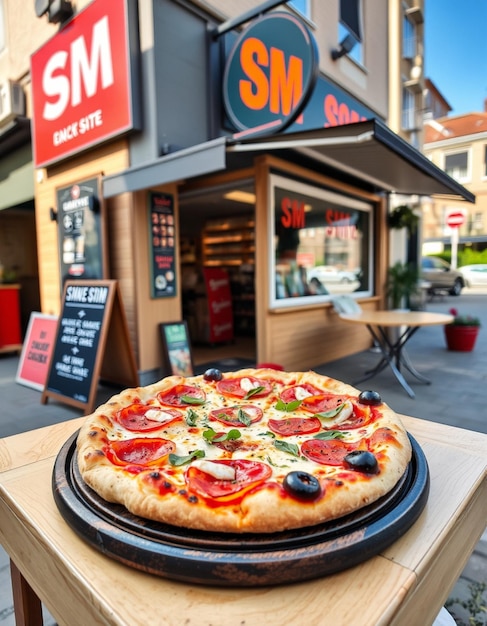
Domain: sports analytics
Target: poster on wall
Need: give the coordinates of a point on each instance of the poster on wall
(220, 311)
(162, 237)
(178, 360)
(80, 228)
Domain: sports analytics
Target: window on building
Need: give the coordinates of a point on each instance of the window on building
(408, 115)
(302, 6)
(485, 161)
(321, 242)
(2, 26)
(409, 39)
(350, 25)
(456, 166)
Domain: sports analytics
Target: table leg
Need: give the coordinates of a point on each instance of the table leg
(391, 355)
(27, 606)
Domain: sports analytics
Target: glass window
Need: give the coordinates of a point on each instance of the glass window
(2, 25)
(456, 165)
(409, 41)
(408, 110)
(321, 242)
(350, 26)
(302, 6)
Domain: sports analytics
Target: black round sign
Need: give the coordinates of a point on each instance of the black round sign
(270, 73)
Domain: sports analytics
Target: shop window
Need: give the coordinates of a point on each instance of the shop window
(457, 166)
(321, 243)
(302, 6)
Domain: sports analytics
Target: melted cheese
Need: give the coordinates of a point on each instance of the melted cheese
(217, 470)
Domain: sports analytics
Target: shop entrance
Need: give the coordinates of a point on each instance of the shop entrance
(217, 243)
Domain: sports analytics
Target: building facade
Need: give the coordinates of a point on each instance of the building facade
(180, 147)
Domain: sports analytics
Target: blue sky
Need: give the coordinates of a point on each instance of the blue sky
(456, 52)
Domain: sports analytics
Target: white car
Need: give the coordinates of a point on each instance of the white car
(330, 274)
(474, 275)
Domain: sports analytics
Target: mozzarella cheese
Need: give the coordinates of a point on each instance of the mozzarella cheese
(217, 470)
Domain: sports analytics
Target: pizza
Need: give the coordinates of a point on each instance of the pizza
(250, 451)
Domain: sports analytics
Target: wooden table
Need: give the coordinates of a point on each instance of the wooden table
(406, 584)
(392, 348)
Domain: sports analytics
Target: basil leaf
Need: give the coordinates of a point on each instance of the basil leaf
(243, 417)
(283, 446)
(191, 417)
(288, 406)
(253, 392)
(191, 400)
(211, 436)
(329, 434)
(176, 460)
(331, 412)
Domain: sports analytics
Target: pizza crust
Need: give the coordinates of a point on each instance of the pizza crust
(266, 509)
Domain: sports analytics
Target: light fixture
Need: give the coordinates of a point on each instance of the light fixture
(57, 10)
(346, 46)
(240, 196)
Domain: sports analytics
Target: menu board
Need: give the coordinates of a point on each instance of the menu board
(91, 314)
(80, 231)
(162, 237)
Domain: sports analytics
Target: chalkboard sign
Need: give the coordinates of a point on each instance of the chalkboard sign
(91, 320)
(177, 349)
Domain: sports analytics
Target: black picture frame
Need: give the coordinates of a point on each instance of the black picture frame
(176, 344)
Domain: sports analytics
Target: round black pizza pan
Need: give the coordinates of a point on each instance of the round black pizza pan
(238, 559)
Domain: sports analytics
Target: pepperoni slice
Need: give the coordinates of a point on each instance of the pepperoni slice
(237, 415)
(294, 393)
(248, 475)
(146, 451)
(182, 395)
(244, 386)
(294, 426)
(135, 418)
(326, 452)
(322, 403)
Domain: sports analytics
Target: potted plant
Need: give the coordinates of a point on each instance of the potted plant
(402, 283)
(403, 216)
(461, 334)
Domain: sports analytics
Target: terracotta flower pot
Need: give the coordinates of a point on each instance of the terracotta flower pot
(461, 338)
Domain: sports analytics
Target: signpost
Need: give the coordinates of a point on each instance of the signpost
(454, 220)
(92, 325)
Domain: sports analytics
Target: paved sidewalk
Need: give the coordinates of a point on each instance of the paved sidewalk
(456, 396)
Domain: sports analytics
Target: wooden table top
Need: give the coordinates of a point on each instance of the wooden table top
(397, 318)
(406, 584)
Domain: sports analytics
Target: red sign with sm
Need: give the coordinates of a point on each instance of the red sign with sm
(81, 83)
(455, 219)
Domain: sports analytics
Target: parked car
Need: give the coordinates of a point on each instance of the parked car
(474, 275)
(441, 276)
(331, 274)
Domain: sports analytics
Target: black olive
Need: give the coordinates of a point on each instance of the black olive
(302, 485)
(370, 397)
(213, 374)
(362, 461)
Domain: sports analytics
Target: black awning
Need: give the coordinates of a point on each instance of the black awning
(368, 151)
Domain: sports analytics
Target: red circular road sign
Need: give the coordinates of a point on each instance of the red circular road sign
(455, 219)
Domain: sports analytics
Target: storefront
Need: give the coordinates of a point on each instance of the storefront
(194, 192)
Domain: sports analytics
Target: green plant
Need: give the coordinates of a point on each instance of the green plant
(476, 606)
(403, 217)
(463, 320)
(402, 283)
